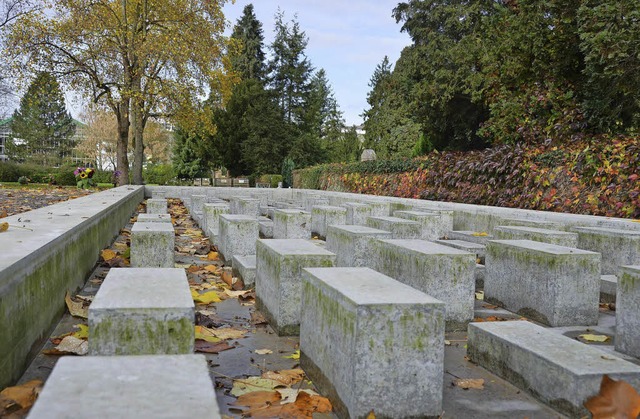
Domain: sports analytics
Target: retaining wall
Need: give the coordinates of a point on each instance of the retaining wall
(54, 253)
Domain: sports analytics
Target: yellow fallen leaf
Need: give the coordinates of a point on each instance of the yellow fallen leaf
(213, 256)
(204, 333)
(76, 309)
(212, 268)
(4, 226)
(371, 415)
(24, 394)
(480, 295)
(251, 384)
(467, 383)
(263, 351)
(83, 333)
(181, 265)
(206, 298)
(286, 377)
(480, 234)
(108, 254)
(595, 338)
(229, 333)
(295, 355)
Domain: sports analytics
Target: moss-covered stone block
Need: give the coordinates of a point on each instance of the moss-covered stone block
(400, 228)
(561, 238)
(351, 243)
(628, 311)
(152, 245)
(617, 247)
(291, 224)
(322, 216)
(237, 235)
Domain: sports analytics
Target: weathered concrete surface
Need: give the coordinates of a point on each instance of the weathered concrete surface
(291, 224)
(265, 227)
(561, 238)
(479, 237)
(245, 268)
(357, 213)
(154, 218)
(555, 285)
(442, 272)
(608, 288)
(161, 386)
(617, 247)
(54, 253)
(351, 243)
(322, 216)
(238, 235)
(400, 228)
(372, 343)
(560, 371)
(152, 245)
(210, 216)
(628, 311)
(142, 311)
(156, 206)
(278, 277)
(480, 250)
(434, 225)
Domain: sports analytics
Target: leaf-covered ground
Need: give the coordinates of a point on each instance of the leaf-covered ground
(17, 200)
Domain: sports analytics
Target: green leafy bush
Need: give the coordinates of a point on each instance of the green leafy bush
(160, 174)
(272, 180)
(10, 172)
(23, 180)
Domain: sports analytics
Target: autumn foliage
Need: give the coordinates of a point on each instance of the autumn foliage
(597, 176)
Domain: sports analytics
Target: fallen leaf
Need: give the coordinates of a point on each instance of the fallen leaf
(24, 395)
(211, 348)
(257, 399)
(480, 234)
(467, 383)
(263, 351)
(4, 226)
(290, 395)
(258, 318)
(251, 384)
(181, 265)
(212, 268)
(595, 338)
(213, 256)
(206, 298)
(4, 214)
(295, 355)
(108, 254)
(76, 309)
(236, 294)
(229, 333)
(447, 343)
(70, 345)
(286, 377)
(617, 399)
(227, 277)
(83, 333)
(480, 295)
(371, 415)
(204, 333)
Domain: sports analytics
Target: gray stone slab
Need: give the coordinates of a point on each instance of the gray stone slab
(480, 273)
(555, 285)
(308, 202)
(557, 370)
(128, 387)
(561, 238)
(357, 213)
(245, 268)
(266, 229)
(278, 277)
(531, 223)
(157, 194)
(154, 218)
(400, 228)
(628, 311)
(480, 250)
(608, 288)
(480, 237)
(443, 272)
(247, 206)
(210, 217)
(351, 243)
(322, 216)
(157, 206)
(372, 343)
(434, 225)
(618, 247)
(152, 245)
(291, 224)
(142, 311)
(238, 235)
(197, 203)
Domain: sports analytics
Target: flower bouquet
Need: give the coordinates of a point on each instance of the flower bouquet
(84, 177)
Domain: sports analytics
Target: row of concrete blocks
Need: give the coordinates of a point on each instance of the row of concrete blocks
(141, 325)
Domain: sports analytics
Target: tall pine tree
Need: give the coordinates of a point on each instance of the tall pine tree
(42, 129)
(249, 61)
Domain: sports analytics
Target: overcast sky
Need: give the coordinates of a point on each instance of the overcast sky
(346, 38)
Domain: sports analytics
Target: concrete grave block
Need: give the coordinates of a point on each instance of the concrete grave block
(531, 223)
(197, 204)
(608, 288)
(379, 209)
(323, 216)
(557, 370)
(443, 272)
(247, 206)
(266, 228)
(372, 343)
(351, 243)
(479, 275)
(433, 224)
(479, 237)
(157, 206)
(308, 202)
(561, 238)
(291, 224)
(479, 250)
(357, 213)
(152, 245)
(400, 228)
(618, 247)
(154, 218)
(245, 268)
(211, 218)
(128, 387)
(158, 194)
(238, 235)
(278, 278)
(142, 311)
(554, 285)
(628, 311)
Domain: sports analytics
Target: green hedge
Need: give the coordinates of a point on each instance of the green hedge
(63, 175)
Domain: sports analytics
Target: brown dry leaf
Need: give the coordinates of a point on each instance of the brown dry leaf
(286, 377)
(256, 401)
(211, 348)
(4, 214)
(257, 318)
(371, 415)
(23, 395)
(229, 333)
(4, 227)
(108, 254)
(227, 276)
(212, 268)
(617, 399)
(467, 383)
(77, 309)
(194, 268)
(236, 294)
(213, 256)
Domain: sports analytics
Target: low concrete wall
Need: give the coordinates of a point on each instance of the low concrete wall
(55, 252)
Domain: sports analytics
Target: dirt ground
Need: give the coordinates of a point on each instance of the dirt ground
(15, 200)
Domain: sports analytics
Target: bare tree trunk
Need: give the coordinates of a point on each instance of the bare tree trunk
(137, 124)
(122, 115)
